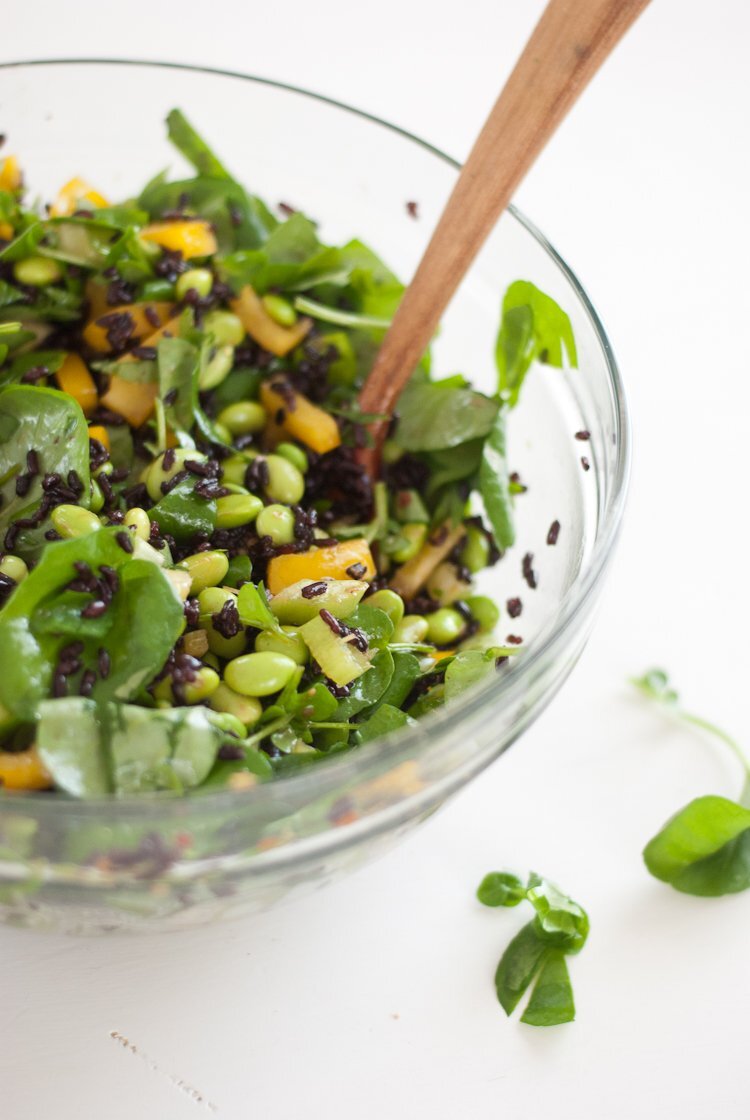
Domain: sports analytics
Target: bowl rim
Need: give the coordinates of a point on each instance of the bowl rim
(479, 700)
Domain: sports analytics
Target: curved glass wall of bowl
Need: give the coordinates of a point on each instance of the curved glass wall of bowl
(153, 863)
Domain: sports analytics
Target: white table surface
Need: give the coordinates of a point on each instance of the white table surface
(374, 998)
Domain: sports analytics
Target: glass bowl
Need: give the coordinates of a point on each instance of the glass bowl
(159, 862)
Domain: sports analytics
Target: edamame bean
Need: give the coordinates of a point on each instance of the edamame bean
(13, 567)
(290, 643)
(234, 510)
(212, 599)
(484, 611)
(414, 534)
(280, 309)
(96, 498)
(445, 626)
(198, 280)
(217, 368)
(225, 326)
(259, 674)
(412, 629)
(206, 682)
(222, 432)
(225, 647)
(286, 484)
(138, 521)
(157, 474)
(475, 552)
(295, 455)
(276, 522)
(243, 417)
(206, 569)
(246, 709)
(74, 521)
(38, 272)
(389, 602)
(235, 467)
(225, 721)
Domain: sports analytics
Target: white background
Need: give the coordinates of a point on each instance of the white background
(374, 998)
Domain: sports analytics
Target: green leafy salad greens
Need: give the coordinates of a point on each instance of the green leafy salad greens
(200, 585)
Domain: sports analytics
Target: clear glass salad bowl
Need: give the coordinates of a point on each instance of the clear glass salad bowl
(160, 862)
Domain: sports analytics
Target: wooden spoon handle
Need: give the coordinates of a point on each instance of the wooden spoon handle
(567, 47)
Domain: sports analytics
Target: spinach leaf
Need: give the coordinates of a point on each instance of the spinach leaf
(69, 744)
(494, 484)
(52, 424)
(533, 328)
(433, 417)
(551, 1000)
(518, 966)
(501, 888)
(177, 363)
(240, 571)
(240, 220)
(182, 513)
(25, 243)
(704, 849)
(385, 719)
(194, 147)
(466, 669)
(145, 619)
(93, 749)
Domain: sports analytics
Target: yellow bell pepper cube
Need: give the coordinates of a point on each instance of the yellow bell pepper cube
(266, 331)
(6, 231)
(192, 237)
(132, 399)
(335, 562)
(100, 433)
(301, 418)
(77, 194)
(23, 770)
(10, 174)
(74, 378)
(146, 317)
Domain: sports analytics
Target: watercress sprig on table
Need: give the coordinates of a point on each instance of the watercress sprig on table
(704, 849)
(558, 929)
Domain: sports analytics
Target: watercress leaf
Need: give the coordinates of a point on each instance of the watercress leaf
(367, 689)
(315, 703)
(433, 417)
(52, 424)
(194, 147)
(50, 359)
(69, 744)
(374, 624)
(533, 327)
(654, 684)
(252, 604)
(241, 385)
(559, 920)
(383, 721)
(467, 669)
(24, 244)
(182, 513)
(494, 484)
(551, 1000)
(704, 848)
(453, 464)
(518, 966)
(405, 672)
(500, 888)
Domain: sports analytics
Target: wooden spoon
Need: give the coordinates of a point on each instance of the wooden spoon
(567, 47)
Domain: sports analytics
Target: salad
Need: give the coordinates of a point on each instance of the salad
(200, 585)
